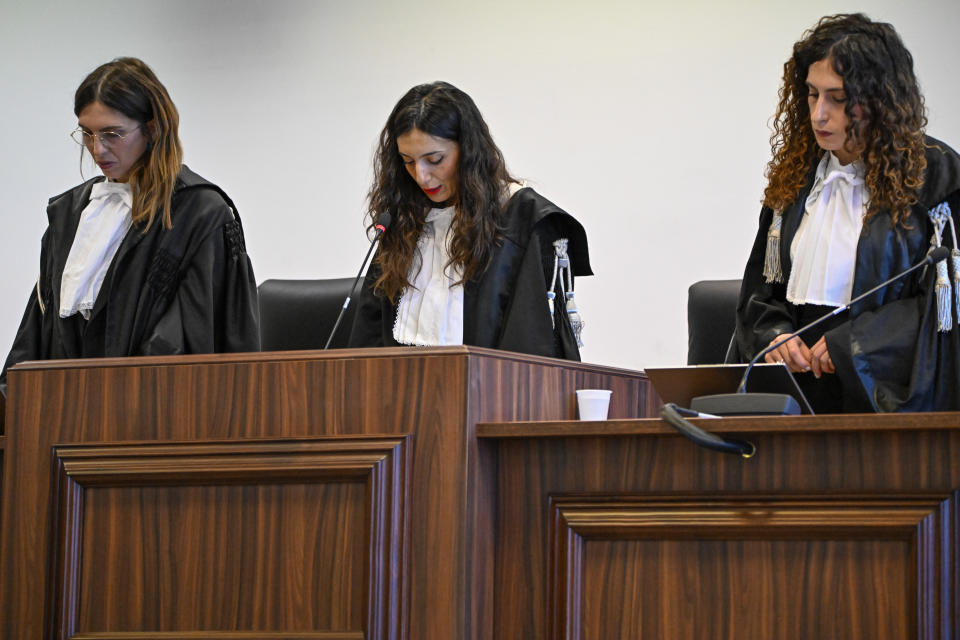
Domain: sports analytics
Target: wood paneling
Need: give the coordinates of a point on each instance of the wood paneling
(218, 635)
(447, 493)
(839, 527)
(274, 537)
(805, 567)
(434, 395)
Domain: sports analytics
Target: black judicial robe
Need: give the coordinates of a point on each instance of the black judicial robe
(188, 289)
(887, 350)
(506, 306)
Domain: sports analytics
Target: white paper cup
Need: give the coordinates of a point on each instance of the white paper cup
(593, 404)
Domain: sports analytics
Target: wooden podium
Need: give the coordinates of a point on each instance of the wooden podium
(329, 495)
(839, 528)
(447, 494)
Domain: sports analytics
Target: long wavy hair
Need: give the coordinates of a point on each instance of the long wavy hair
(884, 106)
(441, 110)
(129, 86)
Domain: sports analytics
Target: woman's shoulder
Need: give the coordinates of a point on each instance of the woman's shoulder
(526, 209)
(529, 213)
(201, 199)
(67, 199)
(942, 176)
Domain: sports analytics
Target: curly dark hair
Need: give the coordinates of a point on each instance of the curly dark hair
(884, 106)
(441, 110)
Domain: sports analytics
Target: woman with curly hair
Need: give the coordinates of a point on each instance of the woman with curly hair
(148, 259)
(472, 256)
(856, 193)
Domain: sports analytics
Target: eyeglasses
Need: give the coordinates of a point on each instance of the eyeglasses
(107, 138)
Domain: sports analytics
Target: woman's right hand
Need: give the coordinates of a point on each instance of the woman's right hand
(793, 353)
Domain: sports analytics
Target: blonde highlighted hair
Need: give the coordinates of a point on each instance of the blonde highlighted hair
(129, 86)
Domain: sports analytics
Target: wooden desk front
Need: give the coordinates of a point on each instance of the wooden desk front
(841, 527)
(313, 495)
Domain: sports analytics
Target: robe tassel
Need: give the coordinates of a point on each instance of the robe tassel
(772, 267)
(551, 292)
(573, 315)
(948, 297)
(955, 258)
(944, 298)
(562, 287)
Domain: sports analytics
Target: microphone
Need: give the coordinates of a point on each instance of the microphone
(383, 221)
(743, 403)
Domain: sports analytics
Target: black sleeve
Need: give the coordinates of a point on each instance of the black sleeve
(215, 308)
(32, 340)
(896, 355)
(28, 343)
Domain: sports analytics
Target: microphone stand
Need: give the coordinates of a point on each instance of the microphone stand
(743, 403)
(383, 221)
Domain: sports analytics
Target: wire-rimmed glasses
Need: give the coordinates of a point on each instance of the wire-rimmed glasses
(107, 137)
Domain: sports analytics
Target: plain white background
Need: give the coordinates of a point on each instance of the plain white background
(647, 121)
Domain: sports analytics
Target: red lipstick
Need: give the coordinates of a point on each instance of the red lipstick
(434, 191)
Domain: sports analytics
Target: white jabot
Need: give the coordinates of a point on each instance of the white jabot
(103, 224)
(430, 312)
(824, 250)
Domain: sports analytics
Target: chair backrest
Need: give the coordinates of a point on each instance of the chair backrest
(711, 315)
(299, 314)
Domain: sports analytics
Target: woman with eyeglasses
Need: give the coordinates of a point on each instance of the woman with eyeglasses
(471, 255)
(148, 259)
(856, 194)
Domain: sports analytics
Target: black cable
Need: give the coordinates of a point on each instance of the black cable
(671, 414)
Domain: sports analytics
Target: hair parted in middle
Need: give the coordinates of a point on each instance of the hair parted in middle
(441, 110)
(129, 86)
(884, 106)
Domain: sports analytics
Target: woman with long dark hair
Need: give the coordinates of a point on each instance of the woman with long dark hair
(148, 259)
(472, 256)
(856, 193)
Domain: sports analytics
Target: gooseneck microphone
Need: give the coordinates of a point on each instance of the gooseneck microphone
(383, 221)
(743, 403)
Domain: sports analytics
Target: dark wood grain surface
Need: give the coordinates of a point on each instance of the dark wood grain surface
(839, 527)
(122, 517)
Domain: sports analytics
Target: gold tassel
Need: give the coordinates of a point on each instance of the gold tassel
(43, 307)
(772, 268)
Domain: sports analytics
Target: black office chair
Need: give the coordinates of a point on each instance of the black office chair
(299, 314)
(711, 315)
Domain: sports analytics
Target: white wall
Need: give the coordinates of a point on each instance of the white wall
(647, 121)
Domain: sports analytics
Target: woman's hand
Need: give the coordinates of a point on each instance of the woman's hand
(820, 360)
(793, 353)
